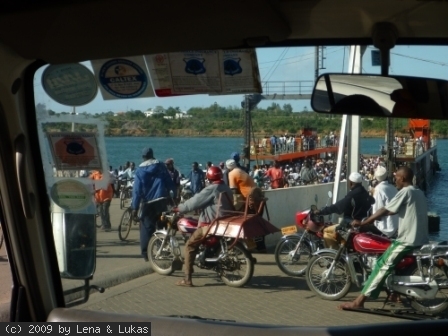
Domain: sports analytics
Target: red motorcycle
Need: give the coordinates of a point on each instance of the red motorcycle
(421, 276)
(228, 256)
(300, 241)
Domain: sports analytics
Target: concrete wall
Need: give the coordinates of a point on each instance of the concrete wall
(283, 204)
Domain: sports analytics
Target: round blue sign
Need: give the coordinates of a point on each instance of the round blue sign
(123, 78)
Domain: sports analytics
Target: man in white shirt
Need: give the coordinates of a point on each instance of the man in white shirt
(382, 194)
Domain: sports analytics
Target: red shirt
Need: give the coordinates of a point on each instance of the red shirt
(276, 175)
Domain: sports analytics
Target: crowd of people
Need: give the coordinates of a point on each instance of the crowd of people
(398, 212)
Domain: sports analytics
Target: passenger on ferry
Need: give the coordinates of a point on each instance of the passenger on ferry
(276, 176)
(363, 204)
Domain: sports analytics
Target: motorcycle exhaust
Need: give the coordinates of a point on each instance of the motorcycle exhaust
(215, 260)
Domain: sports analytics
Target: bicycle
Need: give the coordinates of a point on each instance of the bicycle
(126, 193)
(124, 228)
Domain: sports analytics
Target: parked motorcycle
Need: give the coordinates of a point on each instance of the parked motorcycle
(420, 276)
(185, 192)
(295, 248)
(229, 257)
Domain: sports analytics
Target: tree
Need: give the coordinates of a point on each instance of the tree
(287, 108)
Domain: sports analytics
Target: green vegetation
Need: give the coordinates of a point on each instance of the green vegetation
(217, 120)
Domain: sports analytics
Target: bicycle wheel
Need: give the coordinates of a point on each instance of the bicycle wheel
(125, 224)
(122, 198)
(98, 221)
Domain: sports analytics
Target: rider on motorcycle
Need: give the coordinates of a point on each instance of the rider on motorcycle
(410, 205)
(363, 203)
(207, 200)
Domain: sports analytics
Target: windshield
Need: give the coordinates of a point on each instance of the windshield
(94, 145)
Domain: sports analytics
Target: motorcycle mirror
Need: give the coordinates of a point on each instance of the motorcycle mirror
(330, 194)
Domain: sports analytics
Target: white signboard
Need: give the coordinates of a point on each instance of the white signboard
(70, 84)
(123, 78)
(208, 71)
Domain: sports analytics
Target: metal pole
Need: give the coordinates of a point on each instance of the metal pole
(247, 129)
(73, 113)
(385, 60)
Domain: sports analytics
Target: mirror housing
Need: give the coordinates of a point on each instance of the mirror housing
(380, 96)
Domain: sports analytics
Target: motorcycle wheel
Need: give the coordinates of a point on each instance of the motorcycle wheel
(336, 286)
(125, 224)
(440, 302)
(164, 263)
(292, 265)
(238, 267)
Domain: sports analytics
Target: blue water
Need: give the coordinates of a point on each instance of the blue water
(185, 151)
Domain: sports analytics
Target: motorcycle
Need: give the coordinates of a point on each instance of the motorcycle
(185, 193)
(295, 248)
(229, 257)
(420, 276)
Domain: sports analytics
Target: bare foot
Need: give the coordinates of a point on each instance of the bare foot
(350, 305)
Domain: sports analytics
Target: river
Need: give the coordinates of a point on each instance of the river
(184, 151)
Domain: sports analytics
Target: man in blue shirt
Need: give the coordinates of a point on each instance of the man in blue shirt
(151, 182)
(196, 178)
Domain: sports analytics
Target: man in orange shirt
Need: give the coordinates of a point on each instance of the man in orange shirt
(240, 182)
(276, 175)
(103, 197)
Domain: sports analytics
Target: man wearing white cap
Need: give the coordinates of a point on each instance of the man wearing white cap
(363, 203)
(383, 193)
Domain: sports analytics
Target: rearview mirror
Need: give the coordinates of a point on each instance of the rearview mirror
(380, 96)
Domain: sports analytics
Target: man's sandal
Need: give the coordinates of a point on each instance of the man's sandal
(184, 283)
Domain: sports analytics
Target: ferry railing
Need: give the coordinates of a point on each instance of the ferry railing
(265, 147)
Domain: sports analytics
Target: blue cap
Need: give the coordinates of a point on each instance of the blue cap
(147, 152)
(235, 156)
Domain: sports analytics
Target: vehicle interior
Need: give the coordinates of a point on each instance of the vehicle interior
(38, 33)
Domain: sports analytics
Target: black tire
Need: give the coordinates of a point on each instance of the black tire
(340, 283)
(122, 198)
(238, 256)
(125, 224)
(164, 264)
(292, 266)
(98, 221)
(440, 302)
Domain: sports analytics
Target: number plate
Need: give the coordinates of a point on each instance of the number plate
(251, 244)
(287, 230)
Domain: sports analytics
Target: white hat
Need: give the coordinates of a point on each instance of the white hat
(380, 173)
(355, 177)
(230, 164)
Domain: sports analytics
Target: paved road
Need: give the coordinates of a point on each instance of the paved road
(131, 287)
(271, 298)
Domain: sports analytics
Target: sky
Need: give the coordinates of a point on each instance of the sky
(276, 64)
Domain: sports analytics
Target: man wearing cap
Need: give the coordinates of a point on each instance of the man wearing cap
(236, 156)
(151, 181)
(382, 194)
(363, 203)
